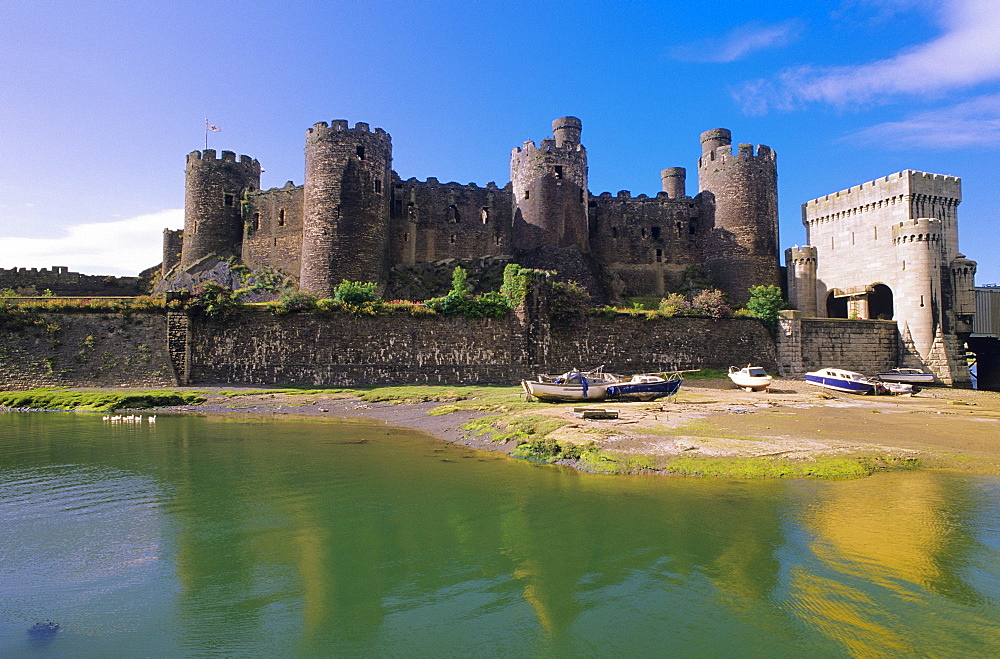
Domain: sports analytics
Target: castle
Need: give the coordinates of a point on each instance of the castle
(354, 218)
(888, 249)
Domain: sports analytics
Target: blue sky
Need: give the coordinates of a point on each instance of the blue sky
(101, 100)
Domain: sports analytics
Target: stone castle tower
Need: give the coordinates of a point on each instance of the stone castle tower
(213, 195)
(550, 190)
(355, 219)
(345, 231)
(744, 190)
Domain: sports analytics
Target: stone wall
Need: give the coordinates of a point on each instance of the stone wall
(259, 347)
(100, 349)
(807, 344)
(647, 242)
(263, 348)
(634, 345)
(430, 221)
(273, 231)
(59, 280)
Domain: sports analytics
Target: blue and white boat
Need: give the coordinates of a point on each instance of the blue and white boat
(647, 386)
(849, 382)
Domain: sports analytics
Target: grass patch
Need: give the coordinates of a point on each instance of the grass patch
(49, 399)
(550, 450)
(523, 428)
(829, 468)
(703, 429)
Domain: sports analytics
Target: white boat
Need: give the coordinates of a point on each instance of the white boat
(850, 382)
(901, 388)
(907, 375)
(572, 386)
(751, 378)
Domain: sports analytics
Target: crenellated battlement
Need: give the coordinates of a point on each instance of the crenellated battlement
(923, 229)
(744, 153)
(432, 181)
(800, 254)
(896, 183)
(209, 155)
(322, 128)
(548, 146)
(662, 198)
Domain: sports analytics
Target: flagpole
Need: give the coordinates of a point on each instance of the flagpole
(206, 134)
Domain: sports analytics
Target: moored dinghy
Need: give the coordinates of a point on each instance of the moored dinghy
(850, 382)
(751, 378)
(645, 387)
(906, 375)
(571, 385)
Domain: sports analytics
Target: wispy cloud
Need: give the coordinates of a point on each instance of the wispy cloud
(972, 123)
(122, 247)
(739, 42)
(966, 54)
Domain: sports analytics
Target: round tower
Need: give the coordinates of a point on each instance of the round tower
(715, 138)
(213, 192)
(801, 265)
(742, 191)
(918, 298)
(674, 180)
(345, 228)
(550, 190)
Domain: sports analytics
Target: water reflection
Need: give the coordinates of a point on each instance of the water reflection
(884, 547)
(312, 538)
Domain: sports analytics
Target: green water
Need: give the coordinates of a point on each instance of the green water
(219, 537)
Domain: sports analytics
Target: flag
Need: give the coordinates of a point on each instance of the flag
(212, 127)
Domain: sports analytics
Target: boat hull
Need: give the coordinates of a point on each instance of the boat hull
(564, 393)
(907, 378)
(839, 384)
(644, 391)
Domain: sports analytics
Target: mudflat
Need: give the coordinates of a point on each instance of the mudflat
(940, 427)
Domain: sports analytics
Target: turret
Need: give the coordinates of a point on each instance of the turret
(963, 282)
(550, 190)
(918, 248)
(172, 245)
(213, 190)
(674, 181)
(742, 192)
(345, 232)
(800, 263)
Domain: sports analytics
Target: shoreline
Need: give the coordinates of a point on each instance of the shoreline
(709, 421)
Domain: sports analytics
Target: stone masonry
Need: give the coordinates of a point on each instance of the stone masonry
(888, 249)
(356, 219)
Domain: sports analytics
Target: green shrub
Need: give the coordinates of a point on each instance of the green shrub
(569, 303)
(293, 302)
(356, 292)
(766, 303)
(213, 300)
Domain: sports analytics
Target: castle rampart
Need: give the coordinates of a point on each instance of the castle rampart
(59, 280)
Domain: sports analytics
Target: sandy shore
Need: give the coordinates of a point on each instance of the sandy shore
(943, 428)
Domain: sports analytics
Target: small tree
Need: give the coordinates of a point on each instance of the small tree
(766, 303)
